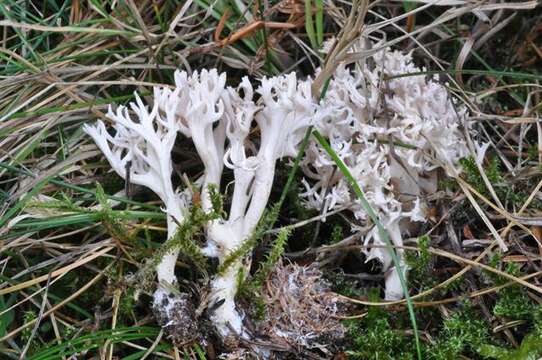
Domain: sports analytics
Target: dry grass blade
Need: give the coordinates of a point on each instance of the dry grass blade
(459, 259)
(351, 30)
(57, 306)
(59, 272)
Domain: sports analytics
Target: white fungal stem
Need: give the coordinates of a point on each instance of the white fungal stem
(286, 113)
(229, 236)
(165, 270)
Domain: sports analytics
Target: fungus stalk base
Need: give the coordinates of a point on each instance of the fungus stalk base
(223, 289)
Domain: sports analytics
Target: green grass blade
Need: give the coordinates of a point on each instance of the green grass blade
(29, 149)
(66, 29)
(319, 22)
(21, 203)
(79, 188)
(95, 341)
(200, 352)
(84, 219)
(7, 318)
(309, 24)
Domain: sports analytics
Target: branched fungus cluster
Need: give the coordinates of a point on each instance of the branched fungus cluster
(218, 119)
(393, 134)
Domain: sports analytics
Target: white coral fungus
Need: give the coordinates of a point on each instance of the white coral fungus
(392, 134)
(362, 115)
(203, 109)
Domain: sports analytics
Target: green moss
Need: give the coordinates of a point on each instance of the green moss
(114, 225)
(385, 335)
(379, 341)
(463, 333)
(277, 249)
(419, 262)
(513, 303)
(265, 223)
(184, 238)
(336, 234)
(453, 286)
(28, 316)
(346, 287)
(473, 177)
(217, 200)
(506, 192)
(26, 334)
(185, 241)
(127, 304)
(373, 337)
(530, 349)
(246, 247)
(251, 287)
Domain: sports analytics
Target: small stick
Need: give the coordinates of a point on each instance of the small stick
(127, 187)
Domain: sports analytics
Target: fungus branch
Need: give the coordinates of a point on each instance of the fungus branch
(145, 144)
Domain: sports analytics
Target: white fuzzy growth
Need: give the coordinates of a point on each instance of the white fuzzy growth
(162, 300)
